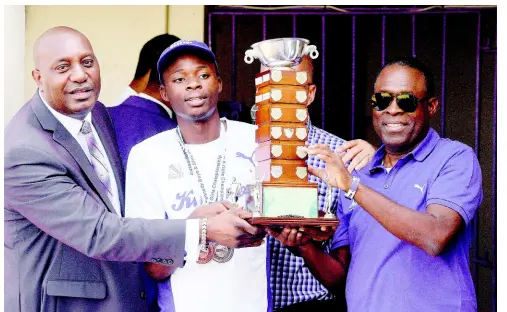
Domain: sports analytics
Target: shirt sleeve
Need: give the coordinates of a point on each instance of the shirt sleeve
(192, 240)
(341, 236)
(141, 198)
(143, 201)
(458, 185)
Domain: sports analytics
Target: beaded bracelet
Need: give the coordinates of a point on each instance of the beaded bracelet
(204, 227)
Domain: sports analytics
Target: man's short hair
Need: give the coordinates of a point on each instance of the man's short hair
(416, 64)
(150, 53)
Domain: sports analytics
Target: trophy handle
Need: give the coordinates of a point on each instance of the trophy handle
(250, 55)
(312, 51)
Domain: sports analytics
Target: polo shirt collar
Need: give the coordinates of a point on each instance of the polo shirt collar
(426, 146)
(419, 153)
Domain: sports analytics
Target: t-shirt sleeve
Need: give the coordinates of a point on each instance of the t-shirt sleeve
(341, 236)
(458, 185)
(141, 198)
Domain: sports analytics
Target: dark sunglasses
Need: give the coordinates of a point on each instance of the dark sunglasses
(406, 101)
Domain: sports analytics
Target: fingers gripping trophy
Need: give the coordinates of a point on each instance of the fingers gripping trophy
(283, 195)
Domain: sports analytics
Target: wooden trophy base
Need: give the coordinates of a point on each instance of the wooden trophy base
(294, 222)
(283, 203)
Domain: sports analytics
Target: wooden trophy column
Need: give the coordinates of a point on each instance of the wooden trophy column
(287, 197)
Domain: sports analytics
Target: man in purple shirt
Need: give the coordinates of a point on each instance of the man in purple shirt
(143, 115)
(402, 244)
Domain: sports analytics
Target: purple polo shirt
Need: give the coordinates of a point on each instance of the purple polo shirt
(137, 119)
(387, 274)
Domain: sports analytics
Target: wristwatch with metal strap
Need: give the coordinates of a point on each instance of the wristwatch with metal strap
(353, 188)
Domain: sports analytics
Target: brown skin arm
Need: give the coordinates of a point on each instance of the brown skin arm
(329, 269)
(431, 231)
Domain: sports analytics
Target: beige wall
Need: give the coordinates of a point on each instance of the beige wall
(187, 21)
(117, 34)
(14, 59)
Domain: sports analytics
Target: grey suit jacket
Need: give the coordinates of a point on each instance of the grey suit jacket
(65, 247)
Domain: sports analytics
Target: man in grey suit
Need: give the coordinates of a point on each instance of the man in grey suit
(67, 247)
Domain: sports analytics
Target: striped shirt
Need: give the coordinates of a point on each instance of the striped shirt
(290, 279)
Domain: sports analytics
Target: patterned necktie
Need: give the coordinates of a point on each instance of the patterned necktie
(97, 159)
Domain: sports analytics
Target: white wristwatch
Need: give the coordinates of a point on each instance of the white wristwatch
(353, 188)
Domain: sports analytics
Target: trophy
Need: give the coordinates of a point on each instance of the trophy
(282, 194)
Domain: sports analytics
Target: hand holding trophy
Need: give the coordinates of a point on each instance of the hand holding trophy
(282, 195)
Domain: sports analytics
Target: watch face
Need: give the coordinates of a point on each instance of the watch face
(350, 194)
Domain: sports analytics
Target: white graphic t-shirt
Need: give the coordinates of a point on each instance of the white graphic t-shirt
(159, 185)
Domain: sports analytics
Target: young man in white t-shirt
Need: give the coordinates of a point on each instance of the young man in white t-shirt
(185, 173)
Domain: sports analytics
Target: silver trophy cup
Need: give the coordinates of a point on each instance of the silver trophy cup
(281, 53)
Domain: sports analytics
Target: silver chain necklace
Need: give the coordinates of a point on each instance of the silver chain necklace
(218, 253)
(192, 167)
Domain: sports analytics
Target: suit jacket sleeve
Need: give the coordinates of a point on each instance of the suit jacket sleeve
(38, 185)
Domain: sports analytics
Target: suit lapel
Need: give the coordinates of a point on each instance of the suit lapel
(102, 124)
(65, 139)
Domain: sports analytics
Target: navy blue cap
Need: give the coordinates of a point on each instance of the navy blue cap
(183, 47)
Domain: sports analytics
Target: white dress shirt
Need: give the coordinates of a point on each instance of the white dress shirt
(74, 125)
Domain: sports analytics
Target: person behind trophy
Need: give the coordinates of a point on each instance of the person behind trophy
(197, 171)
(403, 240)
(292, 283)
